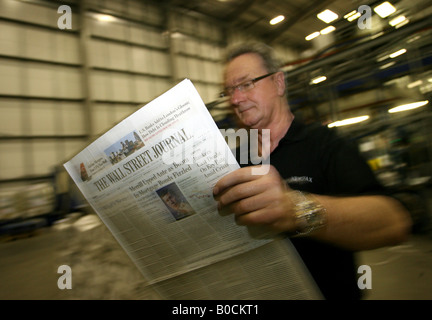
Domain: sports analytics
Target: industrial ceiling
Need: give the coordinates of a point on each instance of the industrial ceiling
(253, 16)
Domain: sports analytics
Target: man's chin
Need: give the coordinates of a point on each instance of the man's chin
(248, 118)
(250, 123)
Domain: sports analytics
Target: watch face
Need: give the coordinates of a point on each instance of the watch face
(310, 214)
(315, 216)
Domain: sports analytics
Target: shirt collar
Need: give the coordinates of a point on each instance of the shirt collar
(296, 131)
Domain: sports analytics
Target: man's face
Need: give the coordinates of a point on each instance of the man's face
(255, 107)
(170, 200)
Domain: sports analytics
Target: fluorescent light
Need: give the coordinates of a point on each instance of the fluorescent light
(318, 79)
(382, 58)
(347, 121)
(327, 16)
(328, 30)
(349, 14)
(397, 20)
(385, 9)
(415, 38)
(414, 84)
(354, 16)
(397, 53)
(312, 36)
(387, 65)
(409, 106)
(277, 19)
(402, 24)
(105, 17)
(376, 35)
(176, 35)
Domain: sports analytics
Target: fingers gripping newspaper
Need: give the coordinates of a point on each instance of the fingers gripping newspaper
(150, 180)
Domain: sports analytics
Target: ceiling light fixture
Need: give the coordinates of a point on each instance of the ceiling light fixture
(354, 16)
(397, 20)
(397, 53)
(318, 79)
(277, 20)
(409, 106)
(385, 9)
(414, 84)
(105, 17)
(401, 24)
(328, 30)
(387, 65)
(376, 35)
(346, 122)
(349, 14)
(312, 36)
(327, 16)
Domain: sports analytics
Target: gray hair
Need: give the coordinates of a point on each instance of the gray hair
(267, 54)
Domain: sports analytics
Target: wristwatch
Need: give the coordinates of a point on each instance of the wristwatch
(310, 215)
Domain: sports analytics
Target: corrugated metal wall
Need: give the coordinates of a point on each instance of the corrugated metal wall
(60, 88)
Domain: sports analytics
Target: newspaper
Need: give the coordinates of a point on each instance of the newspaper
(150, 180)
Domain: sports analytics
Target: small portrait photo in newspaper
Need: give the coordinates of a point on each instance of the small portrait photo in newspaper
(175, 201)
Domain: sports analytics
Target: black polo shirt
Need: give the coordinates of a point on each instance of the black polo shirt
(314, 159)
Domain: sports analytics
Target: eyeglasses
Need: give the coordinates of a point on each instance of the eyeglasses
(244, 86)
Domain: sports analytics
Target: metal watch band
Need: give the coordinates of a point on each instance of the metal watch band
(310, 214)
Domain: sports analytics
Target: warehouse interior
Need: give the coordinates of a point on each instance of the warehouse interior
(71, 70)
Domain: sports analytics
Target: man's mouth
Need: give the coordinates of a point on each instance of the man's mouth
(243, 109)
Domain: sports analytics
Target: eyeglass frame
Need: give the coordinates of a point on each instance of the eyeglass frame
(252, 82)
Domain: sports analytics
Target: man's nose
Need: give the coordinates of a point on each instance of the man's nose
(237, 96)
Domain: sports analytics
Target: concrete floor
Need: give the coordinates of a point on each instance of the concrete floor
(402, 272)
(28, 269)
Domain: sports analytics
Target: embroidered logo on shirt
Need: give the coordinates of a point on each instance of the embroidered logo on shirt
(299, 180)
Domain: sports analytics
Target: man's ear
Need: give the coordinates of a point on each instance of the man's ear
(279, 79)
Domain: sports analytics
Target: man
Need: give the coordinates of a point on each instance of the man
(345, 209)
(176, 204)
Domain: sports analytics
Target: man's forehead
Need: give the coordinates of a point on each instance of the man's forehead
(242, 68)
(236, 78)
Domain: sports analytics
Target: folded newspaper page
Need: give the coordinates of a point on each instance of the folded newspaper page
(150, 180)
